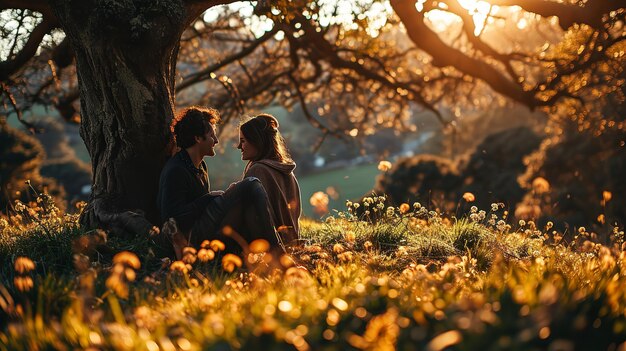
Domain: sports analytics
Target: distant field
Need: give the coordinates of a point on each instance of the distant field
(350, 183)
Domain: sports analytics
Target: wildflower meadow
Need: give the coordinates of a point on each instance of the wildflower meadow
(383, 278)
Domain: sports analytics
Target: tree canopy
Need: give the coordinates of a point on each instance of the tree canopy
(371, 60)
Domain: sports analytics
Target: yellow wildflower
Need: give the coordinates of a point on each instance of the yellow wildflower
(23, 283)
(338, 248)
(384, 166)
(217, 245)
(230, 261)
(127, 258)
(23, 265)
(206, 255)
(259, 245)
(541, 185)
(179, 266)
(469, 197)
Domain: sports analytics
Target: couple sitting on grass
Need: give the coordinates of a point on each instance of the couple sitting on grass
(265, 204)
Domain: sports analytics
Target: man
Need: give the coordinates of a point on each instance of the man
(185, 195)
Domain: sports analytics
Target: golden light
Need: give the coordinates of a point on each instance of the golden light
(285, 306)
(441, 19)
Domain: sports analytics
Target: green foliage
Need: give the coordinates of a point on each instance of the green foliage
(40, 231)
(410, 278)
(490, 172)
(424, 178)
(493, 168)
(585, 173)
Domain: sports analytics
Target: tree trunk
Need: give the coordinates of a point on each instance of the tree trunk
(125, 60)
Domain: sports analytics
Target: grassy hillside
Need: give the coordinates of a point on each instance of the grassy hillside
(348, 183)
(411, 279)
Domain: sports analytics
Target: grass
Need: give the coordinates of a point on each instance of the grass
(410, 279)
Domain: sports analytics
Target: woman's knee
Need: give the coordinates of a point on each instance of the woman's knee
(251, 181)
(252, 185)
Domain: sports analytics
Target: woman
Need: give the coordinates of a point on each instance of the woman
(262, 145)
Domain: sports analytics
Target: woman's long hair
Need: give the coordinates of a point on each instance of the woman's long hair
(262, 132)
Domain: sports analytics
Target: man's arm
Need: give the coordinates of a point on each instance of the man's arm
(175, 192)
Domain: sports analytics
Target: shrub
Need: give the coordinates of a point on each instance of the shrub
(21, 157)
(489, 174)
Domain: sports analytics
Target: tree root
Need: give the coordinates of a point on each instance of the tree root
(98, 214)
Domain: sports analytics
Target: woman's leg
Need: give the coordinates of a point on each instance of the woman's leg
(245, 208)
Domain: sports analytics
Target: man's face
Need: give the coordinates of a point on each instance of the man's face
(207, 142)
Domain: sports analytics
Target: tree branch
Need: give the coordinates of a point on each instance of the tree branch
(205, 73)
(591, 14)
(196, 7)
(445, 56)
(28, 51)
(468, 27)
(40, 6)
(316, 123)
(317, 43)
(18, 111)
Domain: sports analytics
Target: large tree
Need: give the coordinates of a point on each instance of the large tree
(125, 54)
(372, 60)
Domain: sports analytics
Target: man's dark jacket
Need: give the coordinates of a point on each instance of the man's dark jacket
(182, 195)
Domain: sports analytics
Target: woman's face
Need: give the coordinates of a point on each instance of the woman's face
(248, 151)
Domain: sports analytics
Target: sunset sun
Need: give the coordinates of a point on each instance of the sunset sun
(442, 17)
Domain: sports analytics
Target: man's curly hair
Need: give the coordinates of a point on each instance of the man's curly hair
(192, 122)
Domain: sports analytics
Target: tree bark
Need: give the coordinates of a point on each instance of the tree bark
(125, 61)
